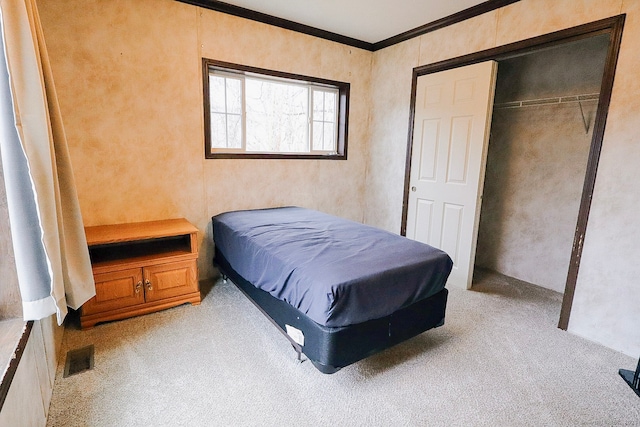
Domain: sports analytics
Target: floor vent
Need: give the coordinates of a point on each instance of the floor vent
(79, 360)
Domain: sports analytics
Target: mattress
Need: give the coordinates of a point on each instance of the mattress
(335, 271)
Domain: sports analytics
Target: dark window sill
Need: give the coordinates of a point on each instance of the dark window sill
(278, 156)
(14, 334)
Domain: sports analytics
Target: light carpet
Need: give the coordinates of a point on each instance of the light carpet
(499, 360)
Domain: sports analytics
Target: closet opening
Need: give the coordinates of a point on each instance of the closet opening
(527, 88)
(544, 109)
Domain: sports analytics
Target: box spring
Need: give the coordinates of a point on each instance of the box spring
(332, 348)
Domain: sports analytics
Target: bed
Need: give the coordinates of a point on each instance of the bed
(340, 291)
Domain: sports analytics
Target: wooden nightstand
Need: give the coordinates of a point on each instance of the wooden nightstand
(140, 268)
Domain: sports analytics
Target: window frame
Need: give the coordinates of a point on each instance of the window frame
(230, 68)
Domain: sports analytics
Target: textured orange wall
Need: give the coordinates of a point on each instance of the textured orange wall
(128, 75)
(605, 306)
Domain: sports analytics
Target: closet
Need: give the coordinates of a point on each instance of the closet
(544, 111)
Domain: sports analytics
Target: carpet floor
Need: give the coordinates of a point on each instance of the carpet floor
(499, 360)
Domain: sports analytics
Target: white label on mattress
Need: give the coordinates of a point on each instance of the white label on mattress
(295, 334)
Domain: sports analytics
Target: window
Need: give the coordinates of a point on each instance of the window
(256, 113)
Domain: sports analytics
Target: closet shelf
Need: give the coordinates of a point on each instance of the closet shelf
(547, 101)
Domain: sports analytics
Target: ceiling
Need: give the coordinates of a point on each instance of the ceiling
(370, 21)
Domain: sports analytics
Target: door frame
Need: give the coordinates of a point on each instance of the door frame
(612, 26)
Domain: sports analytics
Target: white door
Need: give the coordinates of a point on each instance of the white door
(450, 138)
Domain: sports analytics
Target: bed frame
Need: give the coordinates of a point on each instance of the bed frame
(332, 348)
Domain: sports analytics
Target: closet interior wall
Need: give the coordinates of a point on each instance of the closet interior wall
(544, 109)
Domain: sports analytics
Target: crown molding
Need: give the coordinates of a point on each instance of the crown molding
(242, 12)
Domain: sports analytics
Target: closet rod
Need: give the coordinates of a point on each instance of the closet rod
(548, 101)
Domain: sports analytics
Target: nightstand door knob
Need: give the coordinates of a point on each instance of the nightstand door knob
(148, 283)
(138, 287)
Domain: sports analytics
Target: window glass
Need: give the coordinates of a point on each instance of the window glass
(277, 117)
(261, 113)
(324, 120)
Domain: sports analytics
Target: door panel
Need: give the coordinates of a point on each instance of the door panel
(115, 290)
(458, 161)
(452, 230)
(450, 137)
(429, 149)
(424, 211)
(169, 280)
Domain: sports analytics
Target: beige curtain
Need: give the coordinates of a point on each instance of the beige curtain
(50, 246)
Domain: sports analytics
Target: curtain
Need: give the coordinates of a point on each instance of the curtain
(52, 259)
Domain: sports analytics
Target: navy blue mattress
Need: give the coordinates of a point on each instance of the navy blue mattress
(336, 272)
